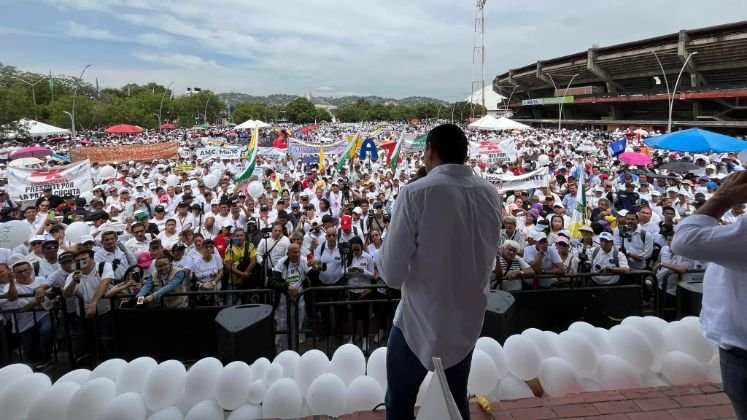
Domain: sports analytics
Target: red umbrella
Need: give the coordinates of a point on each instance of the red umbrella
(32, 151)
(124, 129)
(168, 126)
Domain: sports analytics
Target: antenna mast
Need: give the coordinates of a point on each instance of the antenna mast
(478, 56)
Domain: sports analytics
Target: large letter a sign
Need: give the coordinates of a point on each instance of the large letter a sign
(367, 147)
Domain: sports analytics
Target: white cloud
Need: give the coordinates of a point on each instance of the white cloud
(82, 31)
(177, 60)
(154, 39)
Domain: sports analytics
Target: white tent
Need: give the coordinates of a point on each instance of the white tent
(39, 129)
(489, 122)
(492, 99)
(250, 124)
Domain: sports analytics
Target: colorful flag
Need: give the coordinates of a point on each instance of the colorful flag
(618, 147)
(578, 218)
(344, 156)
(321, 158)
(251, 157)
(278, 185)
(395, 153)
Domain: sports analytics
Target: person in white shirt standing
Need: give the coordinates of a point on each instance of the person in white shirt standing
(723, 318)
(440, 256)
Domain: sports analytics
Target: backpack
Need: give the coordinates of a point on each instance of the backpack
(37, 267)
(615, 256)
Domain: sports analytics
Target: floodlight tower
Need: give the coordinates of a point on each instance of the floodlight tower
(478, 55)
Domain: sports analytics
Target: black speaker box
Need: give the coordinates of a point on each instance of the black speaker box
(498, 315)
(245, 333)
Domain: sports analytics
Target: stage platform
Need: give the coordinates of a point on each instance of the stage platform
(686, 402)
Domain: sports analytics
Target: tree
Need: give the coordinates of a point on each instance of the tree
(247, 111)
(190, 109)
(300, 110)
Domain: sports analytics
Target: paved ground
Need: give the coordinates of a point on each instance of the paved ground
(679, 402)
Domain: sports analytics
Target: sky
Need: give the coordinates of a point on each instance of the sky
(391, 48)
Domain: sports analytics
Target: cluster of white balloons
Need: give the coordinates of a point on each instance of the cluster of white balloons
(641, 352)
(290, 386)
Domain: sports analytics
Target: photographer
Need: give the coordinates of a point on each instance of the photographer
(609, 261)
(634, 242)
(360, 269)
(271, 249)
(166, 279)
(114, 253)
(131, 283)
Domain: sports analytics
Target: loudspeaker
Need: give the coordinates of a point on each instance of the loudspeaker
(498, 315)
(245, 333)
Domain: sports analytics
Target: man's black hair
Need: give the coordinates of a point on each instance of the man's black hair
(449, 143)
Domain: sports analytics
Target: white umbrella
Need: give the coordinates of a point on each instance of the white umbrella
(25, 162)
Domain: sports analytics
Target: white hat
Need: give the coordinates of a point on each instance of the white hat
(538, 236)
(37, 238)
(227, 223)
(85, 238)
(622, 212)
(214, 202)
(358, 210)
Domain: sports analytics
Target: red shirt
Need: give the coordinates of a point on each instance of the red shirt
(221, 244)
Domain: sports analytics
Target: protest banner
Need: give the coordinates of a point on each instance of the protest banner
(536, 179)
(300, 148)
(124, 153)
(28, 184)
(224, 153)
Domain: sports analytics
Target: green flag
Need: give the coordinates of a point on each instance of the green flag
(346, 152)
(395, 152)
(251, 157)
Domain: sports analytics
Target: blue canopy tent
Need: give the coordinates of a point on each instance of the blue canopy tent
(695, 140)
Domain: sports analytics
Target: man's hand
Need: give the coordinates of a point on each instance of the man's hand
(91, 311)
(733, 190)
(149, 300)
(39, 294)
(293, 292)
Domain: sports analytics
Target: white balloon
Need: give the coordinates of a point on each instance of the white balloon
(495, 351)
(202, 378)
(17, 400)
(283, 400)
(680, 368)
(714, 371)
(11, 373)
(91, 399)
(232, 387)
(591, 385)
(376, 367)
(172, 180)
(288, 359)
(259, 367)
(168, 413)
(78, 376)
(327, 396)
(54, 403)
(545, 343)
(652, 333)
(255, 189)
(108, 369)
(576, 349)
(216, 173)
(543, 160)
(14, 233)
(596, 336)
(75, 231)
(558, 378)
(348, 363)
(210, 181)
(246, 412)
(363, 394)
(692, 321)
(482, 374)
(257, 391)
(106, 171)
(651, 380)
(513, 388)
(205, 410)
(613, 372)
(194, 184)
(682, 337)
(522, 357)
(164, 385)
(656, 322)
(311, 365)
(133, 376)
(632, 346)
(127, 406)
(273, 373)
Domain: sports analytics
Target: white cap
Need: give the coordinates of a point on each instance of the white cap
(622, 212)
(85, 238)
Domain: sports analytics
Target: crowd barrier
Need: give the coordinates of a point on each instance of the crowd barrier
(189, 334)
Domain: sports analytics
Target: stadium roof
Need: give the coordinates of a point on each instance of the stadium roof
(721, 60)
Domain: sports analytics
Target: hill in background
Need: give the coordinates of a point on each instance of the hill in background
(233, 98)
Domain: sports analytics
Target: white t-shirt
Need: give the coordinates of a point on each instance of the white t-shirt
(24, 320)
(205, 271)
(88, 285)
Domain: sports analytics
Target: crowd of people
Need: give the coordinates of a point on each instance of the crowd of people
(157, 230)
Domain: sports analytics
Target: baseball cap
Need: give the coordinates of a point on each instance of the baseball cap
(295, 205)
(85, 239)
(358, 210)
(562, 240)
(144, 260)
(140, 215)
(66, 256)
(538, 236)
(37, 238)
(164, 198)
(346, 222)
(214, 202)
(606, 236)
(227, 223)
(264, 207)
(622, 212)
(586, 228)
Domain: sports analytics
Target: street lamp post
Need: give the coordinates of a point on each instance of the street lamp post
(71, 119)
(33, 92)
(670, 95)
(158, 117)
(560, 104)
(206, 105)
(160, 107)
(75, 95)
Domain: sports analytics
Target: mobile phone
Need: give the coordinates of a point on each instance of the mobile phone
(136, 276)
(140, 300)
(78, 265)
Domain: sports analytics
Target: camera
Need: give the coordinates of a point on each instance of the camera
(584, 265)
(323, 267)
(625, 232)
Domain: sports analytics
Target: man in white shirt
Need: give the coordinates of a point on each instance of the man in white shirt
(608, 260)
(440, 256)
(723, 318)
(273, 248)
(635, 242)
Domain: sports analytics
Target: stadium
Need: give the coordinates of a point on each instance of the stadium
(624, 85)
